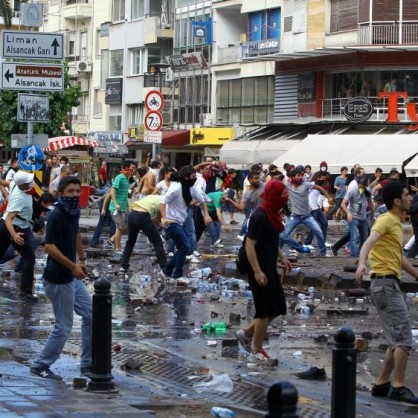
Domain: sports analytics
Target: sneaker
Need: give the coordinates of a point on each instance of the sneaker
(170, 254)
(381, 390)
(192, 259)
(305, 250)
(119, 252)
(219, 241)
(241, 237)
(196, 253)
(217, 245)
(111, 243)
(334, 251)
(86, 371)
(233, 222)
(403, 394)
(328, 245)
(314, 373)
(311, 247)
(125, 269)
(28, 297)
(260, 355)
(244, 340)
(45, 373)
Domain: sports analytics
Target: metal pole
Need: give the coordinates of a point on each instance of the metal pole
(101, 379)
(30, 132)
(344, 364)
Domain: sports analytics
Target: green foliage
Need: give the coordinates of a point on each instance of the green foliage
(60, 105)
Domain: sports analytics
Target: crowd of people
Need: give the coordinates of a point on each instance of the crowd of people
(174, 208)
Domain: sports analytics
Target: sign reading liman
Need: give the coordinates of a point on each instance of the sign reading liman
(358, 109)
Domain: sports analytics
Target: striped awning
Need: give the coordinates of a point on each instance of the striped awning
(61, 142)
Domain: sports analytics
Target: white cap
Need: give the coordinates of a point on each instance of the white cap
(22, 177)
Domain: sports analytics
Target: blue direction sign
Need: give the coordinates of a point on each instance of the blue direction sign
(31, 158)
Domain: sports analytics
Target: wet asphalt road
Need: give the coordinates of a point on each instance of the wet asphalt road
(166, 334)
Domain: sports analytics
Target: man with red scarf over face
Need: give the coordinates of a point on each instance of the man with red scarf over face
(262, 247)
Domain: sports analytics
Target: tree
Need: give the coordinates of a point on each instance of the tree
(6, 12)
(60, 106)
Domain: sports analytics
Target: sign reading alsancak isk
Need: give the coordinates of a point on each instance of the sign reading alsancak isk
(35, 77)
(33, 45)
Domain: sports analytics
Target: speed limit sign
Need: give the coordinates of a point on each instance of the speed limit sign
(153, 121)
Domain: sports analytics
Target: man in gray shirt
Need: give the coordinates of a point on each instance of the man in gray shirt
(301, 212)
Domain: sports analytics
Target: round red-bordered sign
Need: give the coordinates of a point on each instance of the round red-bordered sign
(153, 121)
(154, 100)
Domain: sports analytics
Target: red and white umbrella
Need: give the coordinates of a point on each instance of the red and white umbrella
(61, 142)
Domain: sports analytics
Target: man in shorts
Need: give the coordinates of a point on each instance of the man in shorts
(119, 204)
(262, 247)
(384, 251)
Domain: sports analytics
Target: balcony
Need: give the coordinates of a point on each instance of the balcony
(388, 33)
(77, 9)
(157, 80)
(156, 27)
(229, 54)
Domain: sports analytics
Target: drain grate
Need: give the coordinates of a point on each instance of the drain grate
(169, 370)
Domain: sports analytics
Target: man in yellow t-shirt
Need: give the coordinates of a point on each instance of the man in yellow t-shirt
(384, 251)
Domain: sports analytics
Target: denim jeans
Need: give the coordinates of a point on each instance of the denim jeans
(27, 251)
(359, 230)
(214, 229)
(175, 265)
(190, 229)
(103, 220)
(66, 299)
(322, 220)
(141, 221)
(307, 220)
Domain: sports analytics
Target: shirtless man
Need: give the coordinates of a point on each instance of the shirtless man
(148, 182)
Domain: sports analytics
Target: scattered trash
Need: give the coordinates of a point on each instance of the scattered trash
(212, 343)
(321, 338)
(415, 332)
(201, 273)
(297, 353)
(117, 347)
(214, 328)
(221, 383)
(217, 411)
(133, 363)
(361, 344)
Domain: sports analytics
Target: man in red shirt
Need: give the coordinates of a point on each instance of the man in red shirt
(103, 175)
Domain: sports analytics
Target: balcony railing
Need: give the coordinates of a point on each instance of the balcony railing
(156, 80)
(334, 108)
(76, 1)
(388, 33)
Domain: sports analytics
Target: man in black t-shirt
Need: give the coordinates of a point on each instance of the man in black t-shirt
(63, 286)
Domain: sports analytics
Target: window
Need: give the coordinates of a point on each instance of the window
(97, 106)
(264, 25)
(104, 67)
(135, 115)
(137, 61)
(245, 101)
(118, 11)
(115, 123)
(154, 55)
(97, 43)
(83, 46)
(138, 9)
(116, 63)
(71, 44)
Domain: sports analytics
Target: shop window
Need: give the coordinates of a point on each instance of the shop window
(116, 63)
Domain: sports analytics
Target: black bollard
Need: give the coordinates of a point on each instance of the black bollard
(101, 379)
(282, 400)
(344, 365)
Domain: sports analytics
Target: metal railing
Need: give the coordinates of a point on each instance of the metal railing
(388, 33)
(76, 1)
(334, 108)
(156, 80)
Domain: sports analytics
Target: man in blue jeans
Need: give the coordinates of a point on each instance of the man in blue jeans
(63, 285)
(174, 212)
(301, 211)
(355, 205)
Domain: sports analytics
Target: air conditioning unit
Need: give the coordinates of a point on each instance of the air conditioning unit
(205, 119)
(167, 112)
(83, 67)
(84, 85)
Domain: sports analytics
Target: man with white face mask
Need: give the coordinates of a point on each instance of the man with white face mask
(149, 181)
(16, 229)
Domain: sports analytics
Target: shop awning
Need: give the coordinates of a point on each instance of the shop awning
(370, 151)
(242, 154)
(411, 169)
(62, 142)
(176, 138)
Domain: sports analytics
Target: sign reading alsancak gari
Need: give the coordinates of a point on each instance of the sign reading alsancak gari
(33, 45)
(20, 76)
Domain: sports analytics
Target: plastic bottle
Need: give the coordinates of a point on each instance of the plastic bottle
(214, 327)
(217, 411)
(201, 273)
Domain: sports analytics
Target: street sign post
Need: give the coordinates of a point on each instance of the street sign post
(153, 121)
(34, 77)
(32, 108)
(33, 45)
(154, 100)
(31, 158)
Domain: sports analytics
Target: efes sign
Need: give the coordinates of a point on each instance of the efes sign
(358, 109)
